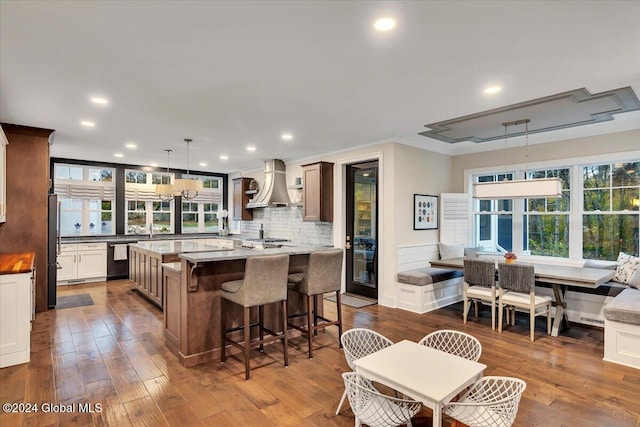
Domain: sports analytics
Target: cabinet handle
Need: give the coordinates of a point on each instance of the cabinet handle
(74, 258)
(79, 258)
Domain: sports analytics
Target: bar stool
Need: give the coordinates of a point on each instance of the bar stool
(264, 282)
(324, 274)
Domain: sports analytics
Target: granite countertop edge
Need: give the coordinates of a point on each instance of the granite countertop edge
(201, 257)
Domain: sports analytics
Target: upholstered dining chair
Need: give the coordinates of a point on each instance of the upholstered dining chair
(479, 285)
(374, 408)
(264, 282)
(454, 342)
(323, 275)
(357, 343)
(490, 402)
(517, 290)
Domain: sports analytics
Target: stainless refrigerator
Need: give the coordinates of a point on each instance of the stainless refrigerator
(53, 248)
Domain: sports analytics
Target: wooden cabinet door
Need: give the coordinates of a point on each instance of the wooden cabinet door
(155, 280)
(15, 317)
(69, 266)
(92, 264)
(240, 200)
(317, 192)
(143, 273)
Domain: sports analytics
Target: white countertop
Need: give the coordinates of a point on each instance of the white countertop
(177, 246)
(240, 253)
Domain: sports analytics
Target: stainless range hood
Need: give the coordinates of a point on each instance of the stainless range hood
(274, 190)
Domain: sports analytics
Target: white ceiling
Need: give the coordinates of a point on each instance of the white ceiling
(230, 74)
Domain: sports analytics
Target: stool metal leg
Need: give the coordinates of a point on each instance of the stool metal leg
(315, 315)
(223, 329)
(285, 339)
(309, 325)
(339, 309)
(247, 339)
(261, 326)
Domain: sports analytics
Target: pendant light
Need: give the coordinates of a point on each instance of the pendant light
(166, 192)
(188, 187)
(520, 188)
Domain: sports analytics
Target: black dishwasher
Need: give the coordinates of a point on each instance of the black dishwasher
(117, 269)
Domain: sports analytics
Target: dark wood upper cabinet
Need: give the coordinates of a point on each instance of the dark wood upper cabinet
(240, 200)
(317, 192)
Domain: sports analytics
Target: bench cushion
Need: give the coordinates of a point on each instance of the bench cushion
(428, 275)
(624, 308)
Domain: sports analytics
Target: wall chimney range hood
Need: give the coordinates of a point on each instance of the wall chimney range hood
(274, 190)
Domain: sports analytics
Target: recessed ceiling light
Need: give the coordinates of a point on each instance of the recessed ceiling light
(251, 148)
(153, 165)
(119, 155)
(286, 136)
(203, 164)
(385, 24)
(87, 123)
(492, 89)
(131, 145)
(224, 157)
(99, 100)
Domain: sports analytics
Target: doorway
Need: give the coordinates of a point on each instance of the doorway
(362, 229)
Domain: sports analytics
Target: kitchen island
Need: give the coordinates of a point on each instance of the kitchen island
(192, 327)
(146, 259)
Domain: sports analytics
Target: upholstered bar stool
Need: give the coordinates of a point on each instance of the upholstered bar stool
(324, 274)
(264, 282)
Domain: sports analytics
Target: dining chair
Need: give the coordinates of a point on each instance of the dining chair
(517, 290)
(357, 343)
(479, 285)
(490, 402)
(454, 342)
(375, 409)
(323, 275)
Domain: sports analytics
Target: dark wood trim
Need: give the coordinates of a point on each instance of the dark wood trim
(26, 130)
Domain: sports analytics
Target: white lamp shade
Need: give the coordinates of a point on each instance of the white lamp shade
(165, 189)
(519, 189)
(187, 185)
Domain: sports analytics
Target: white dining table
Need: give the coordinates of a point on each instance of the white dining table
(427, 375)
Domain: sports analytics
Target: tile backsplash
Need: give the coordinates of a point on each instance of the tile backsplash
(287, 223)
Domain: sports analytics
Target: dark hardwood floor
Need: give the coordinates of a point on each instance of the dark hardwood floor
(112, 353)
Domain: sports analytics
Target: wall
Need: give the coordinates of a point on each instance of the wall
(27, 200)
(628, 141)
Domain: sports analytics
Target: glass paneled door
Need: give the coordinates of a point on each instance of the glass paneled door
(362, 229)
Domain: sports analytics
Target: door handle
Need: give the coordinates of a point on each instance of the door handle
(347, 245)
(58, 266)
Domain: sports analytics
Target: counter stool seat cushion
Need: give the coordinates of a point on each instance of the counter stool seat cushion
(521, 298)
(232, 286)
(295, 279)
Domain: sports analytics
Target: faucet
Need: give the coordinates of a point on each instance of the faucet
(151, 231)
(261, 232)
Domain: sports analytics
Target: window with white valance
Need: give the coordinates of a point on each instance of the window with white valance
(87, 199)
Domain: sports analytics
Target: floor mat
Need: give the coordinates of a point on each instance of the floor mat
(351, 301)
(69, 301)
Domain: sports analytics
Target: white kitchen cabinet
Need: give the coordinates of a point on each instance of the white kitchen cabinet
(82, 262)
(3, 176)
(15, 318)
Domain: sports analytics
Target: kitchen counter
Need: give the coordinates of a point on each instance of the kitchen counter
(164, 247)
(16, 263)
(241, 253)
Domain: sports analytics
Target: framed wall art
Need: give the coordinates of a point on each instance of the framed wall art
(425, 212)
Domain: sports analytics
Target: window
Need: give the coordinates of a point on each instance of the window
(546, 221)
(144, 209)
(87, 199)
(200, 215)
(597, 216)
(610, 210)
(493, 218)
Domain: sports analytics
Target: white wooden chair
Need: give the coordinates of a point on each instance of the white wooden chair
(454, 342)
(490, 402)
(517, 290)
(374, 408)
(479, 285)
(357, 343)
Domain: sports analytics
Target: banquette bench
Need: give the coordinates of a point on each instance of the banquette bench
(622, 329)
(421, 288)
